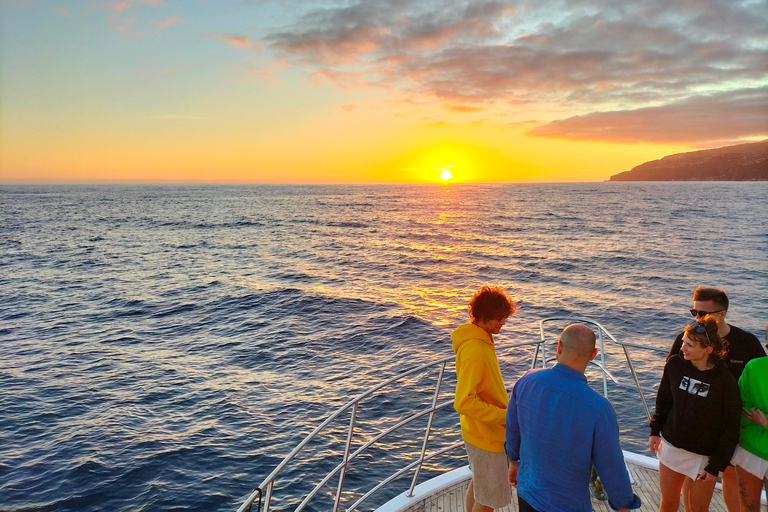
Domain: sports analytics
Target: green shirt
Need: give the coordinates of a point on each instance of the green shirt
(753, 384)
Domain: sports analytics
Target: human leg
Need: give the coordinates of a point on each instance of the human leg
(469, 499)
(731, 490)
(749, 490)
(686, 494)
(700, 494)
(670, 484)
(470, 505)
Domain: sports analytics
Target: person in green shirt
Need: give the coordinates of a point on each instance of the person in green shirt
(751, 456)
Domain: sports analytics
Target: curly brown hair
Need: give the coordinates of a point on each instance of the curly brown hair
(707, 336)
(490, 303)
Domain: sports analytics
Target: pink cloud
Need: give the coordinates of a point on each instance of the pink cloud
(343, 47)
(237, 41)
(594, 55)
(464, 108)
(346, 80)
(349, 107)
(125, 25)
(124, 5)
(163, 24)
(703, 120)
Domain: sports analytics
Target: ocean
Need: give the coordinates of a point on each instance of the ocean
(164, 347)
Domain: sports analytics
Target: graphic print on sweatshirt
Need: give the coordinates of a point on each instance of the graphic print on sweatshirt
(694, 387)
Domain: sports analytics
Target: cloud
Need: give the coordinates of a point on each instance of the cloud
(237, 40)
(163, 24)
(125, 25)
(124, 5)
(568, 55)
(707, 120)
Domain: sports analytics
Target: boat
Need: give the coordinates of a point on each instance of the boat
(386, 459)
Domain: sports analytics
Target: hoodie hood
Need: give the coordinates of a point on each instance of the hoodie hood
(469, 331)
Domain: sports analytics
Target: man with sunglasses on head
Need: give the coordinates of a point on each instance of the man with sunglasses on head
(742, 348)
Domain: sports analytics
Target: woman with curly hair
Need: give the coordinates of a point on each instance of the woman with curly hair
(695, 427)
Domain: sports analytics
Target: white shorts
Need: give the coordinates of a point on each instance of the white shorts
(490, 472)
(750, 462)
(681, 461)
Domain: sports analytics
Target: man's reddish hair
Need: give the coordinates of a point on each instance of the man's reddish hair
(490, 303)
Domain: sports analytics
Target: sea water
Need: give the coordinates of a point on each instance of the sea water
(163, 347)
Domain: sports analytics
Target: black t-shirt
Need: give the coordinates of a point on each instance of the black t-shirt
(743, 346)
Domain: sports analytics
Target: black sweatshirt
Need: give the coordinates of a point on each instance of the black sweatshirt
(699, 411)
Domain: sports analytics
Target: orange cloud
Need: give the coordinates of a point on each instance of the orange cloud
(124, 5)
(168, 23)
(237, 41)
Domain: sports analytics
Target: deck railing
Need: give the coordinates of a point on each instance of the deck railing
(262, 495)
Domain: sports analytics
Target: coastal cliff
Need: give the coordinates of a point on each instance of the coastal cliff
(742, 162)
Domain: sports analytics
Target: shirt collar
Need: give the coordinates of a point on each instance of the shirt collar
(570, 372)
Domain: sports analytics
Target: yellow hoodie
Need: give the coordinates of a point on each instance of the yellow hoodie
(481, 398)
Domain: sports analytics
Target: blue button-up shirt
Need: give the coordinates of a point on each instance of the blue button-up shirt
(558, 428)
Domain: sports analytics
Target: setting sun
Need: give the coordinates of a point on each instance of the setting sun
(445, 173)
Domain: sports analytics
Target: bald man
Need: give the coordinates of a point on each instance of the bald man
(558, 428)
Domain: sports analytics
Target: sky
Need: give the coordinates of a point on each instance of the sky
(372, 91)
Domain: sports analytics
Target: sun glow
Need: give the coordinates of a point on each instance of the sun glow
(445, 172)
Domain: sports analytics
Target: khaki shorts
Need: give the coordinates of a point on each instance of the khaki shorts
(489, 476)
(750, 462)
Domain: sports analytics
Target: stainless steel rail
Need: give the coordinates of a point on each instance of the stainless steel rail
(267, 486)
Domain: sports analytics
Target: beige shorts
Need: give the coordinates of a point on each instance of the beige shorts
(681, 461)
(750, 462)
(490, 472)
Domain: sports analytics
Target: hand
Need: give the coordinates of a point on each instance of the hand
(654, 443)
(756, 416)
(512, 477)
(707, 477)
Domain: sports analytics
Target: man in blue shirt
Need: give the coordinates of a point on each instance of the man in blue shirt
(558, 428)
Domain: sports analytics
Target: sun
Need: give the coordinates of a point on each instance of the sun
(445, 172)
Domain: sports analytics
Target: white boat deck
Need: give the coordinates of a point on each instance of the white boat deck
(646, 486)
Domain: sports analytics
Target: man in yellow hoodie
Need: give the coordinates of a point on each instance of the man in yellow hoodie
(481, 399)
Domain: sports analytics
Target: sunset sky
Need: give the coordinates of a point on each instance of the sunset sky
(259, 91)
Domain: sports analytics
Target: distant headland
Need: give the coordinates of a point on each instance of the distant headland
(742, 162)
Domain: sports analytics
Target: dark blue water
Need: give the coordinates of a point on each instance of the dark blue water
(163, 347)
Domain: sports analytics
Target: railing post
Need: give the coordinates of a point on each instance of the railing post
(602, 361)
(258, 507)
(346, 458)
(429, 428)
(268, 498)
(637, 382)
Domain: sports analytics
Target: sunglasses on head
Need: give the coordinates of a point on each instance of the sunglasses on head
(696, 313)
(699, 328)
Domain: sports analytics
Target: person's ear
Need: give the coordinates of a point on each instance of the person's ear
(710, 350)
(559, 348)
(594, 353)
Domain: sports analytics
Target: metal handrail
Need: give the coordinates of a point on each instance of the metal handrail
(341, 469)
(605, 372)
